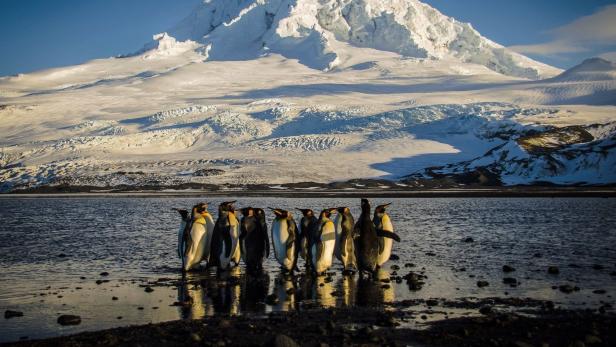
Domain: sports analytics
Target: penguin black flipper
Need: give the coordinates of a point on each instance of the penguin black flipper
(381, 244)
(215, 247)
(226, 237)
(388, 234)
(186, 237)
(292, 249)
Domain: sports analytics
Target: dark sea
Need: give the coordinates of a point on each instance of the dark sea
(53, 251)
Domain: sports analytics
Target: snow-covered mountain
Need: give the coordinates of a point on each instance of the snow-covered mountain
(279, 91)
(318, 33)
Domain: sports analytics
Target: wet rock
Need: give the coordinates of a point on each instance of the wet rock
(430, 254)
(394, 257)
(432, 302)
(114, 298)
(407, 265)
(82, 278)
(272, 299)
(468, 240)
(148, 289)
(104, 273)
(566, 288)
(224, 324)
(507, 268)
(424, 317)
(61, 255)
(69, 319)
(599, 291)
(394, 267)
(462, 269)
(414, 281)
(284, 341)
(597, 267)
(140, 308)
(486, 310)
(482, 284)
(8, 314)
(553, 270)
(613, 273)
(195, 337)
(593, 340)
(537, 255)
(510, 281)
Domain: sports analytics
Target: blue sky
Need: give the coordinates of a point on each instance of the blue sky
(39, 34)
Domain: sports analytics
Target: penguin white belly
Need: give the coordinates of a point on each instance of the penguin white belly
(323, 261)
(181, 245)
(387, 242)
(338, 246)
(280, 236)
(236, 252)
(347, 257)
(207, 239)
(195, 253)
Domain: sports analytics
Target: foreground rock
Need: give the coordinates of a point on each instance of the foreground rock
(69, 319)
(359, 326)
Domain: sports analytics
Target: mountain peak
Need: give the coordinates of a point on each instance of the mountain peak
(321, 34)
(593, 69)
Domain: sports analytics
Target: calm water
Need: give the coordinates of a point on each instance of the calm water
(134, 239)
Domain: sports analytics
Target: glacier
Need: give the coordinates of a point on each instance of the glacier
(275, 92)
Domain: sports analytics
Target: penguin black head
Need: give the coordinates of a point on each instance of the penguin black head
(280, 213)
(247, 211)
(182, 212)
(381, 208)
(365, 206)
(306, 212)
(327, 212)
(343, 210)
(227, 206)
(200, 207)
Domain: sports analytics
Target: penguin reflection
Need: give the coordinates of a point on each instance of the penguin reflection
(227, 292)
(285, 290)
(193, 300)
(255, 288)
(371, 293)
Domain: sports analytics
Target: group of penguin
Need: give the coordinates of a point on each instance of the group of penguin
(361, 246)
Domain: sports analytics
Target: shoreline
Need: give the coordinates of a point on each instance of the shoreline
(500, 192)
(366, 327)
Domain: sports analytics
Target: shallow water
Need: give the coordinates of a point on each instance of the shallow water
(134, 239)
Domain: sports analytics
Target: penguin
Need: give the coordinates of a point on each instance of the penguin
(306, 227)
(195, 243)
(285, 239)
(345, 247)
(367, 241)
(324, 243)
(383, 225)
(181, 241)
(225, 241)
(254, 243)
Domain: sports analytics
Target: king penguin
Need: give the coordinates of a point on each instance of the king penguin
(225, 242)
(307, 226)
(345, 247)
(285, 239)
(383, 225)
(367, 242)
(324, 243)
(254, 242)
(196, 237)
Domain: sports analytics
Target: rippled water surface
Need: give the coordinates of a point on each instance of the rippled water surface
(52, 251)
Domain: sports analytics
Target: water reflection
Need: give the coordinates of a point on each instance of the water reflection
(238, 292)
